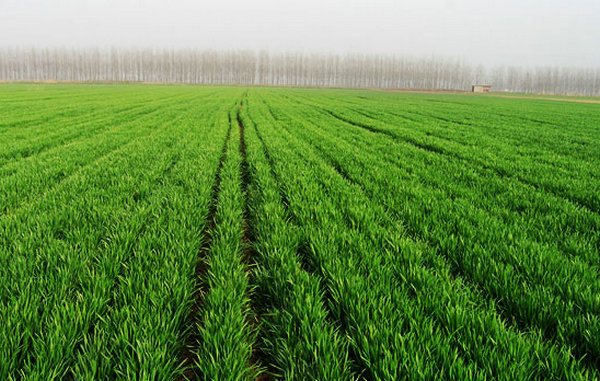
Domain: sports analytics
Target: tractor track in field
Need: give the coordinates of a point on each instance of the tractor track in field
(335, 164)
(276, 177)
(271, 162)
(303, 254)
(258, 359)
(248, 234)
(191, 341)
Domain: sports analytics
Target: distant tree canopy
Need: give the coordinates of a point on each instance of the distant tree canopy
(287, 69)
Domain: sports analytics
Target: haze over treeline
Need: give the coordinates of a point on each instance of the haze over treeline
(246, 67)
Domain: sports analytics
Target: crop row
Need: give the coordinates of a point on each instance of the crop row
(417, 210)
(177, 232)
(99, 269)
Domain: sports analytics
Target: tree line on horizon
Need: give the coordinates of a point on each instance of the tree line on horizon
(246, 67)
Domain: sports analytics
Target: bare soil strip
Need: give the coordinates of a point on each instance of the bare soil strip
(258, 360)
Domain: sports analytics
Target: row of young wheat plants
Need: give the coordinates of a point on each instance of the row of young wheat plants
(296, 336)
(226, 326)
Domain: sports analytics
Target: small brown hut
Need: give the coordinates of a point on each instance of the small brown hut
(482, 88)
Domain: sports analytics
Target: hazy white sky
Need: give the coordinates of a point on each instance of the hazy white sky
(528, 32)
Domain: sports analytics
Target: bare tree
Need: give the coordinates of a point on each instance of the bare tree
(289, 68)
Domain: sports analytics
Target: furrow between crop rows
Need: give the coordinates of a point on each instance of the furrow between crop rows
(286, 288)
(201, 288)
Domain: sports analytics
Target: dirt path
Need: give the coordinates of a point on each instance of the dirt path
(589, 101)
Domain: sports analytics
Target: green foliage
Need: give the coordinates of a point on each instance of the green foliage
(168, 232)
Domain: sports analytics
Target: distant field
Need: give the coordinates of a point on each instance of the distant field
(562, 98)
(229, 233)
(550, 96)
